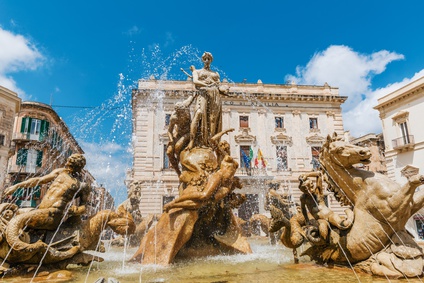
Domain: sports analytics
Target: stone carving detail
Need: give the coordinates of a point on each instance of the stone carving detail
(282, 139)
(315, 139)
(245, 137)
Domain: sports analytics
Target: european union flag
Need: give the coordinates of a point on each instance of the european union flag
(246, 159)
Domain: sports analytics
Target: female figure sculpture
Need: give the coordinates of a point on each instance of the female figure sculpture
(207, 120)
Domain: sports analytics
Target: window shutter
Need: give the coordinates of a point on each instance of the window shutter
(44, 129)
(39, 161)
(28, 126)
(21, 159)
(24, 120)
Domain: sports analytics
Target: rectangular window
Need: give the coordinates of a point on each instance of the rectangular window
(167, 119)
(279, 122)
(21, 159)
(313, 123)
(2, 140)
(405, 133)
(281, 158)
(315, 156)
(245, 156)
(34, 131)
(165, 158)
(44, 130)
(244, 121)
(32, 159)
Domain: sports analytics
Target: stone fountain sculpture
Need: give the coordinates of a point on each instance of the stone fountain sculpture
(372, 238)
(53, 234)
(200, 222)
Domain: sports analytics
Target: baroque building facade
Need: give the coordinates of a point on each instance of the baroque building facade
(401, 114)
(278, 132)
(41, 142)
(10, 104)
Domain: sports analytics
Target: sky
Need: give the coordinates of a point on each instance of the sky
(84, 57)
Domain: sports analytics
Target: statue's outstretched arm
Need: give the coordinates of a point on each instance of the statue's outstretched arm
(32, 182)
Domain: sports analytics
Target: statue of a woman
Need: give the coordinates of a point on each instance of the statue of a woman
(207, 120)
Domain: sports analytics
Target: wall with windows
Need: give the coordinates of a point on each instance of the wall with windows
(401, 114)
(41, 143)
(278, 130)
(10, 104)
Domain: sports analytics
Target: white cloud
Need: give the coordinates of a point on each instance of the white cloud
(134, 30)
(352, 72)
(108, 163)
(17, 53)
(363, 119)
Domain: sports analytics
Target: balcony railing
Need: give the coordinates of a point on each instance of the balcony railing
(404, 142)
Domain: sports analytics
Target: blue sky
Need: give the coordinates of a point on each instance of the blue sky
(90, 53)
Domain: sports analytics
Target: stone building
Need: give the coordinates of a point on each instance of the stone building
(100, 199)
(376, 144)
(401, 114)
(41, 142)
(10, 104)
(279, 130)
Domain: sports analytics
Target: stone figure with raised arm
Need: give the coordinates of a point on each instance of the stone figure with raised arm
(207, 118)
(67, 184)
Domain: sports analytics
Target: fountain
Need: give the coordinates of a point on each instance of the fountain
(199, 239)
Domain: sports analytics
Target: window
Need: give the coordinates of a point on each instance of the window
(27, 197)
(245, 156)
(281, 158)
(405, 132)
(21, 159)
(313, 123)
(244, 121)
(165, 158)
(2, 139)
(56, 141)
(279, 122)
(315, 157)
(30, 158)
(167, 119)
(34, 128)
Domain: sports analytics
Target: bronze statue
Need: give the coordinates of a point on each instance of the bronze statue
(200, 221)
(375, 241)
(178, 132)
(66, 185)
(208, 109)
(54, 233)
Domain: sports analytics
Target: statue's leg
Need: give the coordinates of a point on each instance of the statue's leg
(193, 128)
(172, 159)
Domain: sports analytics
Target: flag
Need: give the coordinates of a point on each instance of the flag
(246, 159)
(251, 154)
(260, 158)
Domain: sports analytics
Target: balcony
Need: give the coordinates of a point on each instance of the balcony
(404, 143)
